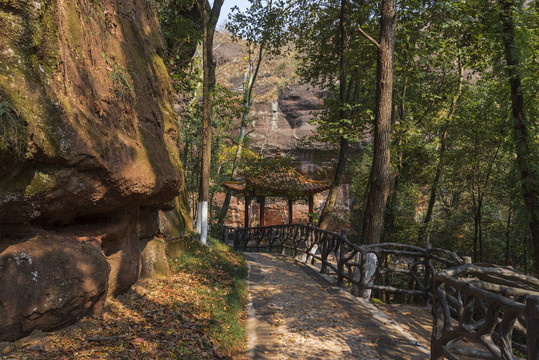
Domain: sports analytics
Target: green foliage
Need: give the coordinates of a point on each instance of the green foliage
(263, 23)
(120, 78)
(314, 29)
(452, 123)
(182, 30)
(13, 132)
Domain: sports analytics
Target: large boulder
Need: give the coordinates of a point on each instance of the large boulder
(48, 282)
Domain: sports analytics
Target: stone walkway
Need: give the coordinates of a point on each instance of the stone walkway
(296, 313)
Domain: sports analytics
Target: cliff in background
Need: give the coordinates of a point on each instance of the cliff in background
(88, 156)
(281, 114)
(282, 107)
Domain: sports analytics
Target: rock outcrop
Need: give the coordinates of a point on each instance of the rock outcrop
(282, 107)
(88, 156)
(280, 118)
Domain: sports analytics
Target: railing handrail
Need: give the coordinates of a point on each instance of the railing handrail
(364, 248)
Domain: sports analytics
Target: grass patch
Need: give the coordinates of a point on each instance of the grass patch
(197, 312)
(221, 290)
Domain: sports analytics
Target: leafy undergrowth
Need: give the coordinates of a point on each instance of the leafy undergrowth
(197, 312)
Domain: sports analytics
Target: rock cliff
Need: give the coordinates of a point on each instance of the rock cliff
(88, 156)
(280, 118)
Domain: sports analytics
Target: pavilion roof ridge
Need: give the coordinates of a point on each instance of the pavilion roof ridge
(280, 181)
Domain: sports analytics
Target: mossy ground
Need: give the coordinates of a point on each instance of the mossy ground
(198, 312)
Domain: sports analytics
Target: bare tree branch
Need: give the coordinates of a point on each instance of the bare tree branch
(368, 37)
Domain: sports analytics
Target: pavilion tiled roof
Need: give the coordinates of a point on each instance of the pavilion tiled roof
(279, 181)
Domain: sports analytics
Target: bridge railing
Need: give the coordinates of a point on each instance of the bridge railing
(388, 268)
(494, 308)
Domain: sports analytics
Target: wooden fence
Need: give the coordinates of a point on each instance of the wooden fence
(479, 311)
(485, 312)
(387, 268)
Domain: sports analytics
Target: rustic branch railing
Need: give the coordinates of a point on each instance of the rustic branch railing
(485, 312)
(387, 267)
(479, 312)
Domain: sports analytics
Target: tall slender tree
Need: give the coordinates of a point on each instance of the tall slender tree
(260, 27)
(210, 16)
(523, 145)
(381, 177)
(331, 199)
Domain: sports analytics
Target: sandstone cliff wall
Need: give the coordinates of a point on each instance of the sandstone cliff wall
(280, 118)
(88, 156)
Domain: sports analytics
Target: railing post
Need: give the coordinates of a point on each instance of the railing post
(235, 236)
(356, 276)
(313, 246)
(370, 268)
(325, 251)
(340, 261)
(532, 327)
(284, 230)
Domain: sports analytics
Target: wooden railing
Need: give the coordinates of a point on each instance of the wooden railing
(485, 312)
(479, 311)
(387, 268)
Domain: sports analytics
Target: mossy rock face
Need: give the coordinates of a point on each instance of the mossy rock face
(83, 88)
(175, 221)
(175, 249)
(89, 138)
(154, 259)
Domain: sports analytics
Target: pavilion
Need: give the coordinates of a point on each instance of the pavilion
(279, 181)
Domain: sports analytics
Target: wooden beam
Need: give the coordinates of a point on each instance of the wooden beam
(262, 201)
(290, 214)
(311, 209)
(246, 217)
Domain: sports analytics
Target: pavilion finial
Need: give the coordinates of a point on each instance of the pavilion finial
(278, 154)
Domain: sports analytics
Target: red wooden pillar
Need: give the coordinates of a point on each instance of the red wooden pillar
(290, 214)
(246, 217)
(262, 201)
(311, 209)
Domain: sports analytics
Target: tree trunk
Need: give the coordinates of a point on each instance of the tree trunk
(390, 211)
(209, 21)
(443, 146)
(249, 81)
(508, 231)
(528, 176)
(478, 238)
(381, 177)
(331, 199)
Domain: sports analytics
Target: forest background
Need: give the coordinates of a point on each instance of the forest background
(463, 129)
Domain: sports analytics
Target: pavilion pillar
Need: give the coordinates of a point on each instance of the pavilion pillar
(290, 214)
(262, 201)
(246, 217)
(311, 209)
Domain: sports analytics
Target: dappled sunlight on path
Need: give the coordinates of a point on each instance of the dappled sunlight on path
(299, 315)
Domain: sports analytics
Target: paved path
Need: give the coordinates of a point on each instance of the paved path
(299, 314)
